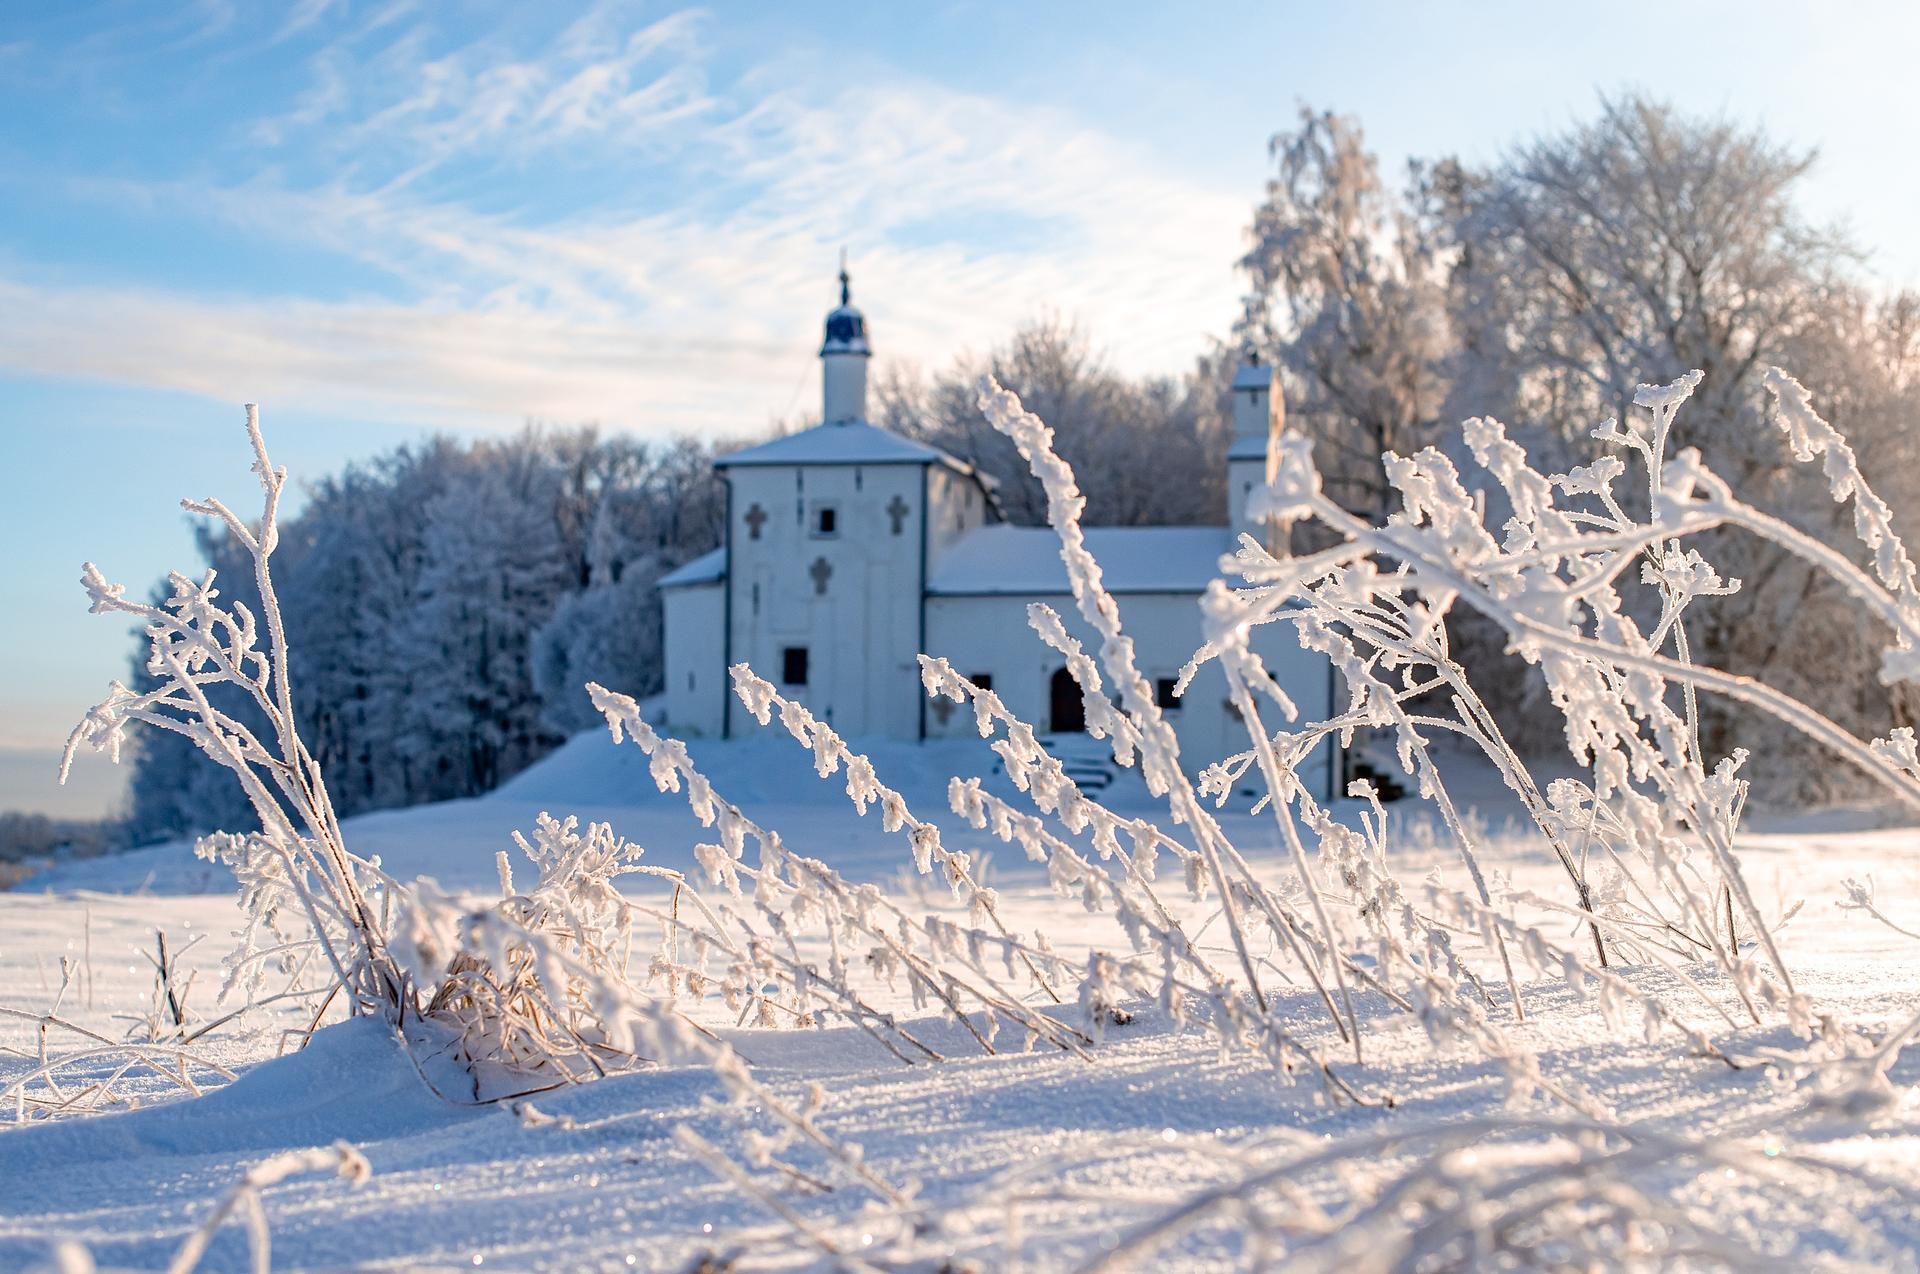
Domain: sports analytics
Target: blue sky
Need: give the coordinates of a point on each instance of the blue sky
(379, 220)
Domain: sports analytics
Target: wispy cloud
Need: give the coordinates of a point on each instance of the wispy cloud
(301, 16)
(415, 104)
(684, 298)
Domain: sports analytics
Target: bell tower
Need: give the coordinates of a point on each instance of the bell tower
(1259, 417)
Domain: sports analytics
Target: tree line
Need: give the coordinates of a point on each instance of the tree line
(444, 605)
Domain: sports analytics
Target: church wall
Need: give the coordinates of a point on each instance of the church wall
(695, 677)
(1242, 477)
(991, 635)
(850, 599)
(958, 505)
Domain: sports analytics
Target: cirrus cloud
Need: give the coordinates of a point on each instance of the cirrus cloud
(517, 279)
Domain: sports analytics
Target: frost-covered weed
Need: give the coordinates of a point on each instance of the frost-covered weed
(596, 963)
(531, 991)
(45, 1088)
(1498, 1193)
(1644, 836)
(198, 649)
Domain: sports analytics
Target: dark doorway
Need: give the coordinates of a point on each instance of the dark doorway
(1066, 710)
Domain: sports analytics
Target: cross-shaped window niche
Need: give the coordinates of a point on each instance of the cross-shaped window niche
(821, 571)
(897, 509)
(756, 518)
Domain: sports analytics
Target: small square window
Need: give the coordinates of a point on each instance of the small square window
(1164, 693)
(793, 665)
(983, 680)
(826, 521)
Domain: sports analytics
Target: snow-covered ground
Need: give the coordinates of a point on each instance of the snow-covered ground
(1038, 1157)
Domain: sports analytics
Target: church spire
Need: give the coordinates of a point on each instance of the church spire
(843, 358)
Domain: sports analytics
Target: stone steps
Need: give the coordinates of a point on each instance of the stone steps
(1086, 760)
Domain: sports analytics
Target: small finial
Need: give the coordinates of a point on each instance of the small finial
(846, 297)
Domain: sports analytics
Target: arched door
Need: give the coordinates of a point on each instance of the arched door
(1066, 710)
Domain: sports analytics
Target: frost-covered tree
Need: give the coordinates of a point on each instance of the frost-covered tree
(1155, 448)
(1630, 249)
(1544, 289)
(613, 631)
(361, 546)
(494, 568)
(1348, 298)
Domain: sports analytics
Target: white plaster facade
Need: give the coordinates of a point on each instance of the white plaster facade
(849, 550)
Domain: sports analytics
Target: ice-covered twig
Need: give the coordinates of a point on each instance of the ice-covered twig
(340, 1159)
(198, 648)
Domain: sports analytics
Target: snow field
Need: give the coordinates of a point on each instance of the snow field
(1036, 1155)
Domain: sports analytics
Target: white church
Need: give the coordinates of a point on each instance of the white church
(850, 549)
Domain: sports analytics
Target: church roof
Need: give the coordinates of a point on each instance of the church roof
(1245, 448)
(708, 568)
(1025, 560)
(848, 442)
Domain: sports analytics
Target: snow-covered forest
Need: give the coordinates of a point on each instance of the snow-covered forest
(448, 602)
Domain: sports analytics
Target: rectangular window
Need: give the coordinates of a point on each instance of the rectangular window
(1163, 692)
(826, 522)
(984, 680)
(793, 665)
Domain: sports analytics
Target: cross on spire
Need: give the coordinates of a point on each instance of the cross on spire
(846, 293)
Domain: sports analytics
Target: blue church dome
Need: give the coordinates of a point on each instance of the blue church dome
(846, 326)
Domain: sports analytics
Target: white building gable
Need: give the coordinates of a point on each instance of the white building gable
(850, 549)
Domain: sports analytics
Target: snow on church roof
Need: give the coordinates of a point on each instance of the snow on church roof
(708, 568)
(1253, 376)
(851, 442)
(1025, 560)
(1133, 559)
